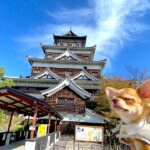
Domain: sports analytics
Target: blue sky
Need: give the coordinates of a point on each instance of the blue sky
(119, 28)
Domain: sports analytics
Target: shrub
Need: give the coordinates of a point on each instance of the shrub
(19, 128)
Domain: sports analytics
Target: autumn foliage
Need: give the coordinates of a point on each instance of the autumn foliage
(102, 102)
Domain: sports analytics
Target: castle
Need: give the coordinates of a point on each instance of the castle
(67, 78)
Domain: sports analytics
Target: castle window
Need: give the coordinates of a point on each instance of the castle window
(49, 56)
(86, 57)
(65, 101)
(95, 74)
(85, 67)
(36, 71)
(70, 73)
(69, 44)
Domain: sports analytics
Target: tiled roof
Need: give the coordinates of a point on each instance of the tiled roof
(14, 100)
(67, 83)
(69, 34)
(46, 83)
(85, 74)
(31, 60)
(68, 53)
(44, 47)
(88, 117)
(47, 73)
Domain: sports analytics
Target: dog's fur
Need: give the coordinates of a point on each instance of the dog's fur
(131, 106)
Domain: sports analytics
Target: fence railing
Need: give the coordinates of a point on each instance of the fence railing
(43, 143)
(71, 144)
(11, 137)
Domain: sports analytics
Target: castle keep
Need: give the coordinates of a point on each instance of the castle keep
(67, 78)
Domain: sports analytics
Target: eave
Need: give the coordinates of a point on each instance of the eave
(102, 62)
(69, 37)
(67, 83)
(68, 53)
(46, 72)
(14, 100)
(86, 74)
(46, 83)
(45, 47)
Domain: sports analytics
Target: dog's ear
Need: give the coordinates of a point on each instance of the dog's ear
(111, 93)
(144, 89)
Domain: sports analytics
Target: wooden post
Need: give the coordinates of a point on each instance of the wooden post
(55, 131)
(28, 120)
(56, 125)
(33, 124)
(49, 123)
(9, 125)
(27, 129)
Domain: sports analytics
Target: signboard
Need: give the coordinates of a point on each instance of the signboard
(89, 133)
(32, 127)
(42, 130)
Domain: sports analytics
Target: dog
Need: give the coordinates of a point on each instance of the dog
(133, 108)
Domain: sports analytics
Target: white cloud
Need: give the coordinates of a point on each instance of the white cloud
(115, 22)
(68, 14)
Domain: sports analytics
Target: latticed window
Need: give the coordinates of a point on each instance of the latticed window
(95, 74)
(65, 101)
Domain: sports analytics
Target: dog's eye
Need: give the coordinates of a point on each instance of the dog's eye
(128, 100)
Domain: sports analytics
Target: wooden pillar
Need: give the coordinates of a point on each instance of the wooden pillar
(28, 120)
(49, 123)
(9, 125)
(56, 125)
(34, 123)
(55, 131)
(27, 129)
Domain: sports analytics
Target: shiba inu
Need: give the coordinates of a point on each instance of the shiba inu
(133, 108)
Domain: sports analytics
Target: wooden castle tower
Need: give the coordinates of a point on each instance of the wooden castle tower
(67, 78)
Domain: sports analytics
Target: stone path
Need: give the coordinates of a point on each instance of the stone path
(70, 144)
(63, 144)
(15, 146)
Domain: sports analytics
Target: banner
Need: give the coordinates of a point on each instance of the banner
(89, 133)
(42, 130)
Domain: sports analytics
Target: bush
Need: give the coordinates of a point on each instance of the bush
(19, 128)
(2, 115)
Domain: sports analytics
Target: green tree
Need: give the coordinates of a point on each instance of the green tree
(4, 82)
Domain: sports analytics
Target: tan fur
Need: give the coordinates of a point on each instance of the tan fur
(132, 106)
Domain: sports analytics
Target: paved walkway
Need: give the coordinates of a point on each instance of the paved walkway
(15, 146)
(65, 143)
(68, 143)
(71, 145)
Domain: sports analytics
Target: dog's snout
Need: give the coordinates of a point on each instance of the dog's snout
(115, 101)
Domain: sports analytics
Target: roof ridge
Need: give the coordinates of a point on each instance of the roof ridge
(68, 53)
(86, 74)
(48, 71)
(67, 82)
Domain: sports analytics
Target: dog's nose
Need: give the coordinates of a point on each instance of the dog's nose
(115, 101)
